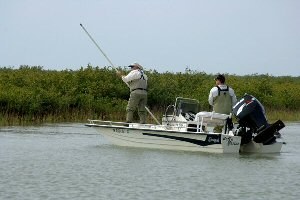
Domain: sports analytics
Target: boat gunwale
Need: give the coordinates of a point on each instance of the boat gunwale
(156, 130)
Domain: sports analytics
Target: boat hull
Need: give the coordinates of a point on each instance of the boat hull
(169, 139)
(253, 147)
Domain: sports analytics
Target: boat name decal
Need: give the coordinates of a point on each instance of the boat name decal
(213, 140)
(120, 130)
(230, 141)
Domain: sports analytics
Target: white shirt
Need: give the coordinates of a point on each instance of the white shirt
(215, 92)
(133, 75)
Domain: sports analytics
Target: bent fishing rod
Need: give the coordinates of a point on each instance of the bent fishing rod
(98, 47)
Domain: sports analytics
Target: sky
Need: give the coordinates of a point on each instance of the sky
(213, 36)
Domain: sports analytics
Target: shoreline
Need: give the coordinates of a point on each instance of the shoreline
(75, 117)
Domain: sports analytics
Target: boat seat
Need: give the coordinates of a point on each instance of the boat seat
(211, 118)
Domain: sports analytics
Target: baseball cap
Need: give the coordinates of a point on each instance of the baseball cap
(135, 65)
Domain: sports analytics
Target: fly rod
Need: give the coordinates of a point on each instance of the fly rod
(97, 46)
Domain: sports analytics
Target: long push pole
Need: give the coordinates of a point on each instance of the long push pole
(152, 115)
(98, 46)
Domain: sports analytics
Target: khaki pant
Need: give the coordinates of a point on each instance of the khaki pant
(218, 129)
(136, 102)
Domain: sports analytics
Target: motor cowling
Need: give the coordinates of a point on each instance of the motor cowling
(253, 124)
(250, 113)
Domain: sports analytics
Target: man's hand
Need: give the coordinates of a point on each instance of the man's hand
(119, 73)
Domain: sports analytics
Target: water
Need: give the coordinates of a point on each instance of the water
(71, 161)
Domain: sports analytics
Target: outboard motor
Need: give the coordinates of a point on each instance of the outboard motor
(253, 123)
(250, 113)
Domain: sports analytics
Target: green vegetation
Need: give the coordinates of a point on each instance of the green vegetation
(34, 95)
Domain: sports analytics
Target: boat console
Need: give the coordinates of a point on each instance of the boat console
(186, 113)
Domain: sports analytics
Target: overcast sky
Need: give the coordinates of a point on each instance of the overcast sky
(227, 36)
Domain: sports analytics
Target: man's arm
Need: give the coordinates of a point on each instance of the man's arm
(211, 97)
(233, 97)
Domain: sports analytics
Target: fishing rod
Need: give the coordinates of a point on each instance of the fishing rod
(98, 47)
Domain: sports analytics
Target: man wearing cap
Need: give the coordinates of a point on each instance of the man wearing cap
(136, 80)
(221, 96)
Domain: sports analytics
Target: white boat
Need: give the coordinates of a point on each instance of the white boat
(183, 127)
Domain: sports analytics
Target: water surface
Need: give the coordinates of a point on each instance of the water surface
(71, 161)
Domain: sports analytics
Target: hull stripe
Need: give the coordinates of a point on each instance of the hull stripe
(210, 140)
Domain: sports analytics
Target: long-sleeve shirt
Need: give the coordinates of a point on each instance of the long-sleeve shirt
(215, 92)
(136, 80)
(133, 75)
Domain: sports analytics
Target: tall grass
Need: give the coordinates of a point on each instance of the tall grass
(285, 115)
(30, 94)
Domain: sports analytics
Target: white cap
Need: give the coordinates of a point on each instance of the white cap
(136, 65)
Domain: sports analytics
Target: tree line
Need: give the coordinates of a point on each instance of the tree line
(31, 93)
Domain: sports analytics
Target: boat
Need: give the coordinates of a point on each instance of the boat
(184, 127)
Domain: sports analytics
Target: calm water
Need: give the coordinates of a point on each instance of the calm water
(71, 161)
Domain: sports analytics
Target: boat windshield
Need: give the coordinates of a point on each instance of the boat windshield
(186, 105)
